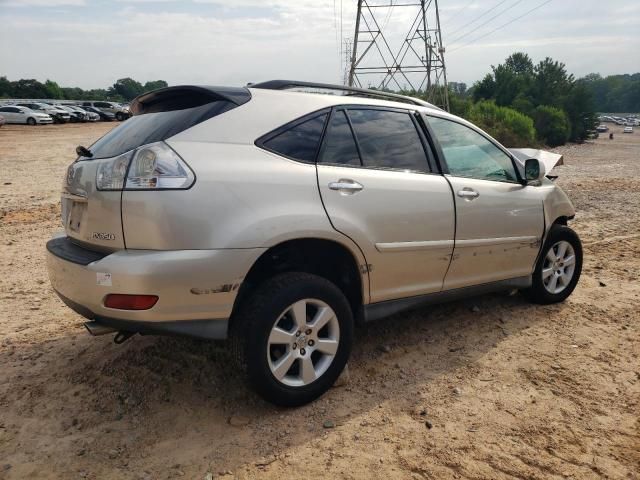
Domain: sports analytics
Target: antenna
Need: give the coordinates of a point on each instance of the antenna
(416, 65)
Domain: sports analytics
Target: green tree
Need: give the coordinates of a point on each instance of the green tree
(127, 88)
(154, 85)
(579, 108)
(53, 90)
(519, 63)
(508, 126)
(485, 89)
(551, 83)
(29, 88)
(552, 125)
(6, 88)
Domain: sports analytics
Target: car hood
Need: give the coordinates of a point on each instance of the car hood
(549, 159)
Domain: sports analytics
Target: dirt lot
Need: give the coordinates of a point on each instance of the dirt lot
(487, 388)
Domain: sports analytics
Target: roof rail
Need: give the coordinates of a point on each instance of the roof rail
(356, 92)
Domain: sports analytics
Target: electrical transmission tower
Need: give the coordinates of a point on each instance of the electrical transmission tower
(416, 65)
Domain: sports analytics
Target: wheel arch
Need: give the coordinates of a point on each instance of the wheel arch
(326, 258)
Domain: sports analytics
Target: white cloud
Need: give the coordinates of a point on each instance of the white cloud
(42, 3)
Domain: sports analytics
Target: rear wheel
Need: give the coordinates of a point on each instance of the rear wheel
(558, 269)
(31, 121)
(293, 336)
(120, 116)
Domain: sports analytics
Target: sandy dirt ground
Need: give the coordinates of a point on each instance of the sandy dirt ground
(488, 388)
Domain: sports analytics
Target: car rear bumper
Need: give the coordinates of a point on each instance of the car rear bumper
(196, 289)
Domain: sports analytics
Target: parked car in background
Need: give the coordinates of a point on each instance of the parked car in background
(90, 116)
(76, 116)
(279, 219)
(18, 114)
(602, 128)
(58, 115)
(104, 116)
(119, 112)
(627, 130)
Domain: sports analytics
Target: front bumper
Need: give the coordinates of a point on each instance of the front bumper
(196, 288)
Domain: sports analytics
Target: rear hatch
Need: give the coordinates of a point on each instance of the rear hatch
(93, 185)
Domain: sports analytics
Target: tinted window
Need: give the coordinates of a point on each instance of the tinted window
(154, 127)
(340, 146)
(388, 140)
(102, 105)
(469, 154)
(5, 109)
(300, 141)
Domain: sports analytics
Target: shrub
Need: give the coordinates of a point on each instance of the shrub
(552, 125)
(508, 126)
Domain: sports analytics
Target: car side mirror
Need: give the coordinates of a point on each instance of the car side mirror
(534, 171)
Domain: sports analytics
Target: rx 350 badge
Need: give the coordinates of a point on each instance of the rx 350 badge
(103, 236)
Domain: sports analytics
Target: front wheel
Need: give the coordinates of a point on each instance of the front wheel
(31, 121)
(293, 335)
(558, 269)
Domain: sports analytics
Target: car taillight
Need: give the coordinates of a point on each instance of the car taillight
(150, 167)
(130, 302)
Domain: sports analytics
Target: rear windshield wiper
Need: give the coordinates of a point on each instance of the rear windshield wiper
(83, 151)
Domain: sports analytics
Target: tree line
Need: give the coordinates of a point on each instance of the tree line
(521, 103)
(124, 90)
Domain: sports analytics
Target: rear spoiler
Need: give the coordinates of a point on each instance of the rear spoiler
(549, 159)
(186, 96)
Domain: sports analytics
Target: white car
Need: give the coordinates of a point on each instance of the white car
(16, 114)
(627, 130)
(57, 114)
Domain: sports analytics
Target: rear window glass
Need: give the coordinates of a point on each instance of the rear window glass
(154, 127)
(299, 142)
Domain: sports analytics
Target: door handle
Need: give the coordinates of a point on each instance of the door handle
(346, 186)
(468, 193)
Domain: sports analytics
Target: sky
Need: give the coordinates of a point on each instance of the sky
(92, 43)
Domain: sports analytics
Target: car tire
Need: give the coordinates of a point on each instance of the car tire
(119, 116)
(31, 121)
(558, 268)
(290, 360)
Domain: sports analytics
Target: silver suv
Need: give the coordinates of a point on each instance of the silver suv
(279, 216)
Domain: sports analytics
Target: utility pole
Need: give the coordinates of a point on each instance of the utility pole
(417, 64)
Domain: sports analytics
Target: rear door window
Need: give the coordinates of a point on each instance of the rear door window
(388, 139)
(339, 145)
(298, 142)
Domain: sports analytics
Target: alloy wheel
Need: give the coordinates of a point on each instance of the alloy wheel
(559, 267)
(303, 342)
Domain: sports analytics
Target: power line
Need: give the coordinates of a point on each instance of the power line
(458, 10)
(488, 21)
(502, 26)
(478, 17)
